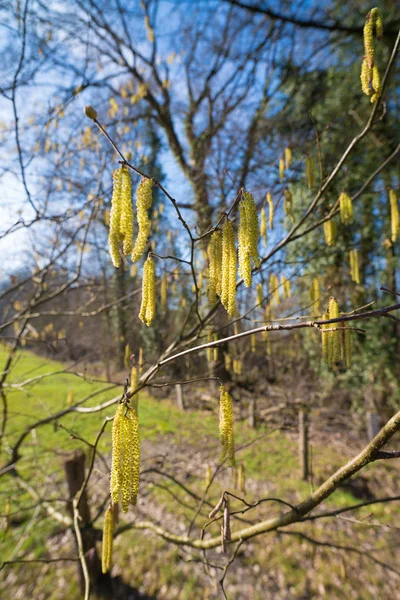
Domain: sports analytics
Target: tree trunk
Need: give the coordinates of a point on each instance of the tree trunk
(75, 474)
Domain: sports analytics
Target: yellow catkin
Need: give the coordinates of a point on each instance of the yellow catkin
(227, 361)
(115, 219)
(366, 78)
(334, 336)
(315, 295)
(263, 226)
(226, 425)
(282, 169)
(164, 289)
(241, 479)
(148, 306)
(248, 238)
(346, 208)
(310, 172)
(253, 344)
(376, 84)
(108, 532)
(127, 356)
(274, 288)
(215, 266)
(288, 204)
(285, 283)
(124, 481)
(259, 293)
(208, 476)
(288, 157)
(369, 71)
(329, 232)
(229, 262)
(271, 210)
(354, 266)
(325, 338)
(394, 214)
(126, 220)
(134, 382)
(144, 200)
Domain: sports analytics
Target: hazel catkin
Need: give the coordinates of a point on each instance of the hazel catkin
(248, 238)
(144, 200)
(148, 306)
(394, 214)
(107, 544)
(124, 479)
(229, 261)
(215, 266)
(226, 434)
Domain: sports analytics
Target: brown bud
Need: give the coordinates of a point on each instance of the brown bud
(90, 112)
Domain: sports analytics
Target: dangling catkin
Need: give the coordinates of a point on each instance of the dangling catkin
(124, 480)
(115, 219)
(288, 157)
(288, 204)
(271, 210)
(281, 169)
(108, 532)
(329, 232)
(164, 289)
(215, 266)
(325, 338)
(274, 288)
(126, 222)
(229, 261)
(394, 214)
(148, 306)
(248, 238)
(241, 479)
(226, 425)
(315, 295)
(263, 226)
(144, 200)
(127, 357)
(346, 208)
(354, 266)
(369, 71)
(334, 336)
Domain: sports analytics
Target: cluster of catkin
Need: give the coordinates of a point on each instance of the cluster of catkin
(336, 341)
(124, 477)
(223, 256)
(121, 216)
(370, 77)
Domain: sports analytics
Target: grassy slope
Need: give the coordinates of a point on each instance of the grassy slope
(271, 467)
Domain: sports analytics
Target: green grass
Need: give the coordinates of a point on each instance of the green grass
(270, 458)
